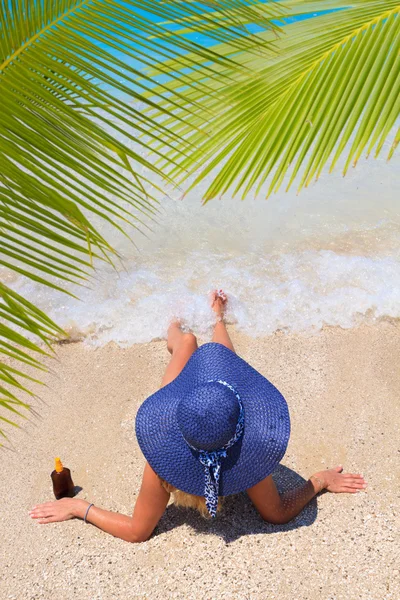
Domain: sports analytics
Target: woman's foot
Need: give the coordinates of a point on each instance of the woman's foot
(219, 301)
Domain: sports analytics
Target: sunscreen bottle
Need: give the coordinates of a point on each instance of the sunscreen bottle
(63, 486)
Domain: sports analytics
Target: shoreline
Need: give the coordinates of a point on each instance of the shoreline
(343, 389)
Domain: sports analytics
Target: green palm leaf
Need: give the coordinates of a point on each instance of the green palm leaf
(334, 88)
(74, 140)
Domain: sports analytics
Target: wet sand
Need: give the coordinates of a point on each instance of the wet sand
(343, 389)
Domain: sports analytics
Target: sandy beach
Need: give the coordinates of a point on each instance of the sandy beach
(343, 389)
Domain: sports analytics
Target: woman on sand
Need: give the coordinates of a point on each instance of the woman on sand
(216, 427)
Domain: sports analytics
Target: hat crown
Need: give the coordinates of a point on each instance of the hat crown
(208, 415)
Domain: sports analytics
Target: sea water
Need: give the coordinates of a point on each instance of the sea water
(329, 256)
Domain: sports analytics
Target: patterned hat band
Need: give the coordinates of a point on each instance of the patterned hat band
(212, 459)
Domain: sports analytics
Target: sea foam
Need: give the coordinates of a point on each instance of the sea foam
(328, 257)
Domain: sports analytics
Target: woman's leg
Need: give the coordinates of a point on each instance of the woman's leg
(220, 336)
(181, 346)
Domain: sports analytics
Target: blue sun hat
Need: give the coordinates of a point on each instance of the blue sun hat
(218, 429)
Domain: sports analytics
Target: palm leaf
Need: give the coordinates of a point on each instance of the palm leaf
(74, 135)
(21, 315)
(333, 89)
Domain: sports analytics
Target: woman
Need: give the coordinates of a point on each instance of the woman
(216, 427)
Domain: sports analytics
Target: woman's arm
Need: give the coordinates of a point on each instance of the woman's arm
(149, 508)
(282, 509)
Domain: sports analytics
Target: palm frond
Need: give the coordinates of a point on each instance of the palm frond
(74, 133)
(334, 88)
(19, 315)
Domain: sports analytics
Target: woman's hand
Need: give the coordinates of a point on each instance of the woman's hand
(60, 510)
(335, 481)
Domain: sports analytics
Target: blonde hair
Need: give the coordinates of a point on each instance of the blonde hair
(189, 500)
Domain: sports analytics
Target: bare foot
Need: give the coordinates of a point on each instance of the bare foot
(219, 301)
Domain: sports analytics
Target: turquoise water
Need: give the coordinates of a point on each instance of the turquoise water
(198, 38)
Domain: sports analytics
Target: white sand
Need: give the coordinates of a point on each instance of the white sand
(343, 392)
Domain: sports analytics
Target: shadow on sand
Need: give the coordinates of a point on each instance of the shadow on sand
(239, 517)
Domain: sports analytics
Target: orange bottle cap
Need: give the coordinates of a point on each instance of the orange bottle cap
(59, 465)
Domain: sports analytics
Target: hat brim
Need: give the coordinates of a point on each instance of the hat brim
(250, 460)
